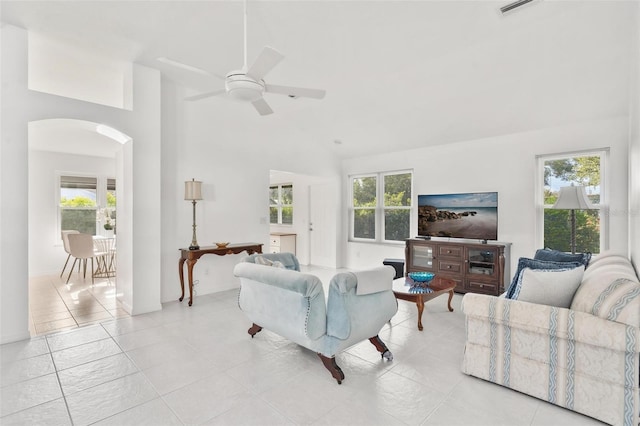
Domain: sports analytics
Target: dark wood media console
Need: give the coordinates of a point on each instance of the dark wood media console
(475, 267)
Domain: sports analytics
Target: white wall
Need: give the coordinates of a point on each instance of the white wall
(506, 164)
(13, 186)
(73, 72)
(46, 253)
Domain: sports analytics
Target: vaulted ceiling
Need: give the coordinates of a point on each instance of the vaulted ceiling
(398, 74)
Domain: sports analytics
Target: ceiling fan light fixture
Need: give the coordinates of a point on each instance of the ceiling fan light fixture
(242, 88)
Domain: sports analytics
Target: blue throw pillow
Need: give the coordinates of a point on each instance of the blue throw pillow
(524, 262)
(560, 256)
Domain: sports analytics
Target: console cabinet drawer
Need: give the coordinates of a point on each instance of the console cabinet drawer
(482, 287)
(450, 251)
(450, 267)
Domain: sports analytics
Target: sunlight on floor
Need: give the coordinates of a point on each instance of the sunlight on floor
(56, 306)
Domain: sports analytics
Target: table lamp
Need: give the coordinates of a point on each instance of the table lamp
(573, 198)
(193, 192)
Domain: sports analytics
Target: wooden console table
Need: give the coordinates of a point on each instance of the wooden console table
(192, 256)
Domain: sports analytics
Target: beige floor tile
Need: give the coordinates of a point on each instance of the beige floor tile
(51, 326)
(43, 317)
(93, 317)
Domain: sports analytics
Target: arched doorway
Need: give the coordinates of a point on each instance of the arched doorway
(77, 164)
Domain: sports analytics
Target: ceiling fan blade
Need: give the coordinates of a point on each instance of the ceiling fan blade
(205, 95)
(268, 58)
(262, 106)
(197, 70)
(295, 91)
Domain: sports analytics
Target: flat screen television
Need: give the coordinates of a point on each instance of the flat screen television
(472, 215)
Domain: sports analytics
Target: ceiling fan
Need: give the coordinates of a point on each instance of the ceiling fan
(247, 84)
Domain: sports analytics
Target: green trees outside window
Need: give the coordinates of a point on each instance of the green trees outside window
(579, 170)
(78, 205)
(389, 193)
(397, 206)
(364, 207)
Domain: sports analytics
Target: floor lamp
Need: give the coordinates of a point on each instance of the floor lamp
(573, 198)
(193, 193)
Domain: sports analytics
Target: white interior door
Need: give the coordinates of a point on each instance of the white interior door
(322, 225)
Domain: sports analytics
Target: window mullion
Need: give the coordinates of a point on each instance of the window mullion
(380, 223)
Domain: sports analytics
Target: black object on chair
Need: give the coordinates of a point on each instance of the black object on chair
(398, 265)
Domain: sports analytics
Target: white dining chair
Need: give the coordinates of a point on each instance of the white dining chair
(65, 244)
(81, 247)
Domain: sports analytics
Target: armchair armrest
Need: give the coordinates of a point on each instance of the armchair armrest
(351, 314)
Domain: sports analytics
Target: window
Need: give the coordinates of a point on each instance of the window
(281, 204)
(79, 201)
(111, 193)
(578, 169)
(381, 206)
(108, 214)
(78, 195)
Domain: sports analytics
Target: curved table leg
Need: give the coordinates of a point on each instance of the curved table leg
(449, 303)
(181, 273)
(190, 264)
(420, 304)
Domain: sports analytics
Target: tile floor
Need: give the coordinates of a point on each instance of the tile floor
(198, 365)
(55, 305)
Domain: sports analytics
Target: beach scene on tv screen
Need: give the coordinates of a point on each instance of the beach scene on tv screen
(469, 215)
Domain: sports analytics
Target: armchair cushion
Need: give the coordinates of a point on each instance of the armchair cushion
(347, 310)
(261, 260)
(524, 262)
(553, 287)
(289, 260)
(374, 280)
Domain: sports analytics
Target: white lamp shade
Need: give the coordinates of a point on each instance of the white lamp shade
(573, 198)
(193, 190)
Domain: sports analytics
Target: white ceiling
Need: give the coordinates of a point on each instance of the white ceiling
(398, 74)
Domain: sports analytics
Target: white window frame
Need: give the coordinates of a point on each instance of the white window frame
(280, 205)
(380, 208)
(603, 206)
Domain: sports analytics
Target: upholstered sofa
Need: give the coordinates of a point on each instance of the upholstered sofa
(277, 296)
(585, 357)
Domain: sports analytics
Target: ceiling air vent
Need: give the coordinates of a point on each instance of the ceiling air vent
(514, 5)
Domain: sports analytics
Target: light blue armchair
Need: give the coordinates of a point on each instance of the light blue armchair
(292, 304)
